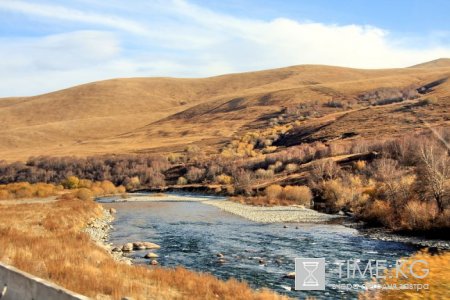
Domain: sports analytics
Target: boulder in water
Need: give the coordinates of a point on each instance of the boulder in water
(127, 247)
(151, 255)
(290, 275)
(154, 262)
(149, 245)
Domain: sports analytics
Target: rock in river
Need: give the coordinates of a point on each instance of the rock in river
(151, 255)
(154, 262)
(290, 275)
(149, 245)
(127, 247)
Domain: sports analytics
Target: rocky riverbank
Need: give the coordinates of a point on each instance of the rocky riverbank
(98, 229)
(273, 214)
(422, 242)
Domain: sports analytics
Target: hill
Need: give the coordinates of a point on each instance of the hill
(166, 114)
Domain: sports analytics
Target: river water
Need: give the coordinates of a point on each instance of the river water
(192, 233)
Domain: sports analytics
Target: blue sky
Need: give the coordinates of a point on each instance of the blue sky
(49, 45)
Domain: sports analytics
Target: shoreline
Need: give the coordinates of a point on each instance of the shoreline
(99, 229)
(383, 234)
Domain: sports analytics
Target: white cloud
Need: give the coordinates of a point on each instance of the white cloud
(69, 14)
(182, 39)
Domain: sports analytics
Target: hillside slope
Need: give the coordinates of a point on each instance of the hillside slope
(166, 114)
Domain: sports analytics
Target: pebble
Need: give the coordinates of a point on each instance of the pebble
(273, 214)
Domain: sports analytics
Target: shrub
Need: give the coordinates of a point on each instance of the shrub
(419, 215)
(291, 168)
(276, 167)
(380, 212)
(264, 174)
(360, 165)
(84, 183)
(71, 182)
(84, 194)
(300, 194)
(274, 191)
(224, 179)
(132, 183)
(108, 187)
(195, 174)
(121, 189)
(182, 181)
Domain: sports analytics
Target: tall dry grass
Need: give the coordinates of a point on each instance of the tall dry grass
(46, 239)
(437, 278)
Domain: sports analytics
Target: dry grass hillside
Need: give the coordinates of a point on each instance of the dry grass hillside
(166, 114)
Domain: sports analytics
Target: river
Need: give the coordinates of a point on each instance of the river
(192, 233)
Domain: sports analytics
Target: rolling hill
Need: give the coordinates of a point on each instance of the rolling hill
(166, 114)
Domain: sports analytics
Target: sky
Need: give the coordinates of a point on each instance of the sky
(51, 45)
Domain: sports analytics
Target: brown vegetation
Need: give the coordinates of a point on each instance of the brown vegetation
(46, 240)
(146, 114)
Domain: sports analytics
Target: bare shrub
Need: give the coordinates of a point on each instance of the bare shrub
(419, 215)
(435, 171)
(325, 169)
(242, 180)
(195, 174)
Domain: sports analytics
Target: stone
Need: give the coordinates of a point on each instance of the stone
(221, 261)
(290, 275)
(261, 261)
(112, 210)
(116, 249)
(285, 226)
(220, 255)
(154, 262)
(149, 245)
(151, 255)
(127, 247)
(137, 245)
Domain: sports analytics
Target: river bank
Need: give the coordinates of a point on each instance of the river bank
(99, 231)
(383, 234)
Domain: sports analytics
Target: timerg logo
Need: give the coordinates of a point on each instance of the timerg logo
(310, 274)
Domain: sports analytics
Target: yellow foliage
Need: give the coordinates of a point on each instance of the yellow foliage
(224, 179)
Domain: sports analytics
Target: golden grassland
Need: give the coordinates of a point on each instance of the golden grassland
(46, 240)
(437, 278)
(159, 114)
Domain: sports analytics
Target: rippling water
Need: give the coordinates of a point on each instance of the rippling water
(192, 233)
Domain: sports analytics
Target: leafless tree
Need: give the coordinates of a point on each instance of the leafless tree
(435, 171)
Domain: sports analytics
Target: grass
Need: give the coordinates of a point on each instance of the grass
(439, 273)
(46, 240)
(161, 114)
